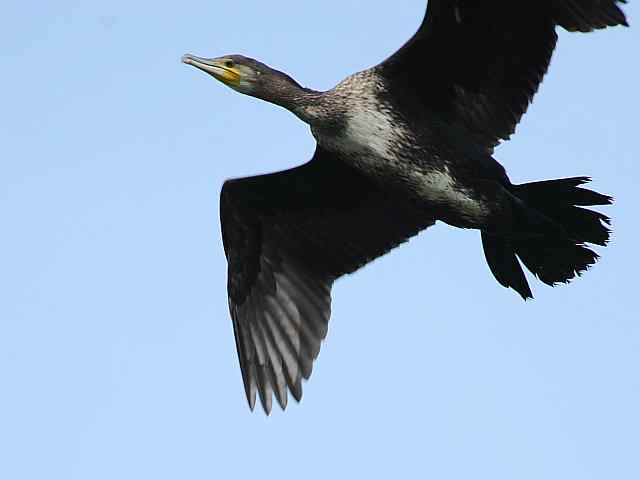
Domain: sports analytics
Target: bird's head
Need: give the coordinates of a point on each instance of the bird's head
(248, 76)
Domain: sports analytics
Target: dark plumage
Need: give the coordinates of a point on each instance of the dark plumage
(400, 145)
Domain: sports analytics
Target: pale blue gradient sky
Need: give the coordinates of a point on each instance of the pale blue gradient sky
(117, 357)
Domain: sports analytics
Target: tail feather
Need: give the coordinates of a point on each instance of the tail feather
(551, 258)
(555, 262)
(505, 267)
(566, 190)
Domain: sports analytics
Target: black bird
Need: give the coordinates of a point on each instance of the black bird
(399, 146)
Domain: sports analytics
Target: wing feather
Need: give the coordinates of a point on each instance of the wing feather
(479, 63)
(287, 237)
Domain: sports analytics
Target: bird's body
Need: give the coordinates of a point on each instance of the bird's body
(400, 146)
(408, 150)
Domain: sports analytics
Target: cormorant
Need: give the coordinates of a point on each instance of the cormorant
(399, 146)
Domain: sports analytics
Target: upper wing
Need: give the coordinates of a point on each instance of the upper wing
(287, 236)
(479, 62)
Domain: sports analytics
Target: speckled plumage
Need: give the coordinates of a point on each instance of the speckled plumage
(371, 132)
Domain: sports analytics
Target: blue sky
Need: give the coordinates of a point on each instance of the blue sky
(117, 357)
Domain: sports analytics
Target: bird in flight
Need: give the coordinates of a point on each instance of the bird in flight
(399, 146)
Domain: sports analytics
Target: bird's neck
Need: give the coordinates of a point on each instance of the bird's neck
(310, 106)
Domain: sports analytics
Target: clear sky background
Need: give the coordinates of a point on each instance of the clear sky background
(117, 358)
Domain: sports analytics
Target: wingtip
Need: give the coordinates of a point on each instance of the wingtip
(250, 394)
(281, 396)
(266, 404)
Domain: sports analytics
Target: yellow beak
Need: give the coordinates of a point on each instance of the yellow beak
(215, 67)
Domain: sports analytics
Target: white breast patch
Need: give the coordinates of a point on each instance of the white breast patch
(370, 130)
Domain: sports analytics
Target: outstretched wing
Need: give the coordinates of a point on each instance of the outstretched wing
(287, 236)
(479, 62)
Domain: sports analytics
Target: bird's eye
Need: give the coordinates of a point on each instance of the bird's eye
(228, 63)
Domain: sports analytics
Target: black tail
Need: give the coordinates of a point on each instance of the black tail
(553, 258)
